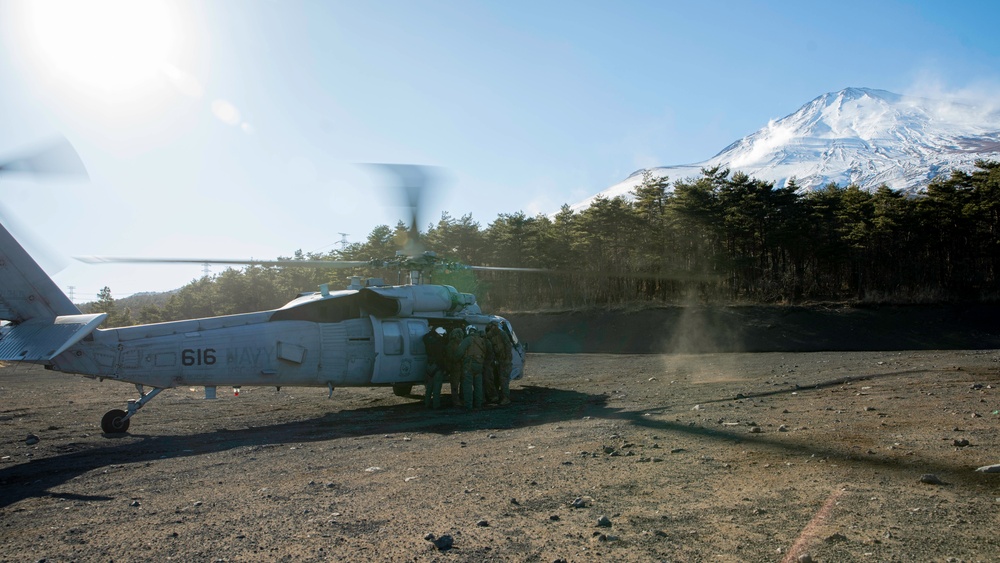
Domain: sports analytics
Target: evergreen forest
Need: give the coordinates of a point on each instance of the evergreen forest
(720, 238)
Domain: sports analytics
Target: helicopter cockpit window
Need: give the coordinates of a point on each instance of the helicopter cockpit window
(509, 330)
(392, 338)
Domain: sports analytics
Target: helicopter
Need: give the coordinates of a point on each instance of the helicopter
(368, 334)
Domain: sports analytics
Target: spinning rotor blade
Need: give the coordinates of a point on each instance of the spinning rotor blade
(412, 182)
(59, 158)
(237, 262)
(376, 263)
(45, 255)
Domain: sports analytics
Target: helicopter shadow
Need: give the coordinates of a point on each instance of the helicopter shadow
(830, 450)
(531, 406)
(836, 382)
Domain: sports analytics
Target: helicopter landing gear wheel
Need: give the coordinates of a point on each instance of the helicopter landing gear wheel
(114, 422)
(402, 389)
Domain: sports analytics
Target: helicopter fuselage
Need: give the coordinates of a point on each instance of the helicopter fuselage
(315, 341)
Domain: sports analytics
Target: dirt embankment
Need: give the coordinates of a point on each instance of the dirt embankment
(701, 329)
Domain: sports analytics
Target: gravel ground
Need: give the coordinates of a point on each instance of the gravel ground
(823, 456)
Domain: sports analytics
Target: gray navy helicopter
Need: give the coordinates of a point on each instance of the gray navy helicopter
(369, 334)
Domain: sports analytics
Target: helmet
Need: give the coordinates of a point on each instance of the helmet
(470, 330)
(440, 330)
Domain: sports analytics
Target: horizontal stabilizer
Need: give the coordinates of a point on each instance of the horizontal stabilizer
(42, 339)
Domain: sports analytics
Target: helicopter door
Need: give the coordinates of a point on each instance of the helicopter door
(399, 350)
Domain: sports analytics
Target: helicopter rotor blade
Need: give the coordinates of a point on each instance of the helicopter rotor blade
(412, 182)
(44, 254)
(390, 263)
(226, 261)
(57, 158)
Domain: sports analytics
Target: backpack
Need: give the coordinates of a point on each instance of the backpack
(501, 346)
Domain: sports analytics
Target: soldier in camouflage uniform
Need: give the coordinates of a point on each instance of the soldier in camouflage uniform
(502, 352)
(434, 344)
(473, 350)
(454, 360)
(489, 371)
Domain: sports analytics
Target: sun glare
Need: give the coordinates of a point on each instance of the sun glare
(112, 50)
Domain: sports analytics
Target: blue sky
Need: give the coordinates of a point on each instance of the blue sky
(234, 128)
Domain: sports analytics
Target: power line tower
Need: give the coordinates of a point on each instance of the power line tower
(343, 240)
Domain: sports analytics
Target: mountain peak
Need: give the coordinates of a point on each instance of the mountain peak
(867, 137)
(855, 100)
(862, 136)
(854, 93)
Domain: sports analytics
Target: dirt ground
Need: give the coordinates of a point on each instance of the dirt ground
(768, 456)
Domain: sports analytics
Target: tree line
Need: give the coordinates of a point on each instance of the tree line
(721, 237)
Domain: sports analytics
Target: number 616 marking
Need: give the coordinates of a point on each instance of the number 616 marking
(198, 357)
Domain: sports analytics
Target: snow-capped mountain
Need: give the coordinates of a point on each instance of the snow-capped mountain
(855, 136)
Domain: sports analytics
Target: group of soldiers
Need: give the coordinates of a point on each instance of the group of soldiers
(477, 364)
